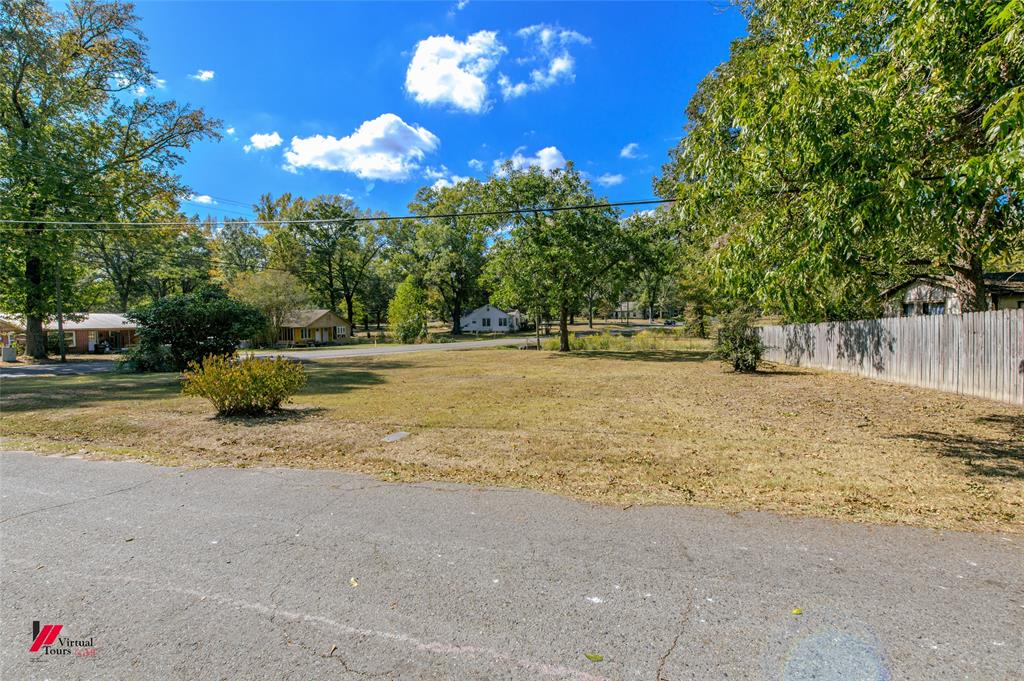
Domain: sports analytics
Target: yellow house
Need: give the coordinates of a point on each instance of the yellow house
(308, 327)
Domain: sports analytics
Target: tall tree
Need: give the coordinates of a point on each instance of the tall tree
(184, 262)
(549, 251)
(450, 251)
(274, 293)
(69, 142)
(327, 242)
(653, 238)
(839, 146)
(239, 248)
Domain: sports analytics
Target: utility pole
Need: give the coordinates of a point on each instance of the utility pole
(60, 315)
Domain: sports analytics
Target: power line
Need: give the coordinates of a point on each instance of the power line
(81, 225)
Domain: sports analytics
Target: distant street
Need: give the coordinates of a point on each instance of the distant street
(225, 573)
(99, 366)
(365, 350)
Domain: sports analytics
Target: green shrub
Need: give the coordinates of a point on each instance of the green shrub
(204, 322)
(251, 386)
(407, 312)
(146, 358)
(738, 342)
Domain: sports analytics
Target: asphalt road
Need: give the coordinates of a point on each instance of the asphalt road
(291, 574)
(69, 369)
(86, 367)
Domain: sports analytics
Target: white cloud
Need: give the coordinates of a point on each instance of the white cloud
(444, 70)
(204, 199)
(202, 75)
(230, 131)
(442, 177)
(260, 141)
(432, 173)
(449, 182)
(550, 45)
(475, 164)
(139, 90)
(385, 148)
(547, 159)
(631, 150)
(609, 180)
(160, 83)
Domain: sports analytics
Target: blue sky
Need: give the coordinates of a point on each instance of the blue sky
(377, 99)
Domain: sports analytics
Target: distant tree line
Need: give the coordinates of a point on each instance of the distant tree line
(835, 152)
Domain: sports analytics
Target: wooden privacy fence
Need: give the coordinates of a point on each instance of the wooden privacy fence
(981, 353)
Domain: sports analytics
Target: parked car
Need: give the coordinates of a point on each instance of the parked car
(670, 322)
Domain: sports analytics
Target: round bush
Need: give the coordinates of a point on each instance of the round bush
(251, 386)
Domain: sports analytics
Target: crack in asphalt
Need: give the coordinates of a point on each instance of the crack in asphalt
(289, 640)
(660, 674)
(77, 501)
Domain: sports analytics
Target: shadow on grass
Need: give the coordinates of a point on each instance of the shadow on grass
(283, 415)
(61, 392)
(992, 457)
(639, 355)
(768, 372)
(70, 392)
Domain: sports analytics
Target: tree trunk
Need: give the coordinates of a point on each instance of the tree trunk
(969, 284)
(35, 337)
(563, 329)
(350, 309)
(456, 314)
(61, 343)
(590, 314)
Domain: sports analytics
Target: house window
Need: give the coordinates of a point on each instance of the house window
(502, 321)
(305, 334)
(935, 308)
(909, 309)
(1020, 304)
(486, 321)
(69, 338)
(339, 332)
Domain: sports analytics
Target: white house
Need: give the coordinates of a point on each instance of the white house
(489, 319)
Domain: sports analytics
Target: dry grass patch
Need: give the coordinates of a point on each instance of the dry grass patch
(662, 426)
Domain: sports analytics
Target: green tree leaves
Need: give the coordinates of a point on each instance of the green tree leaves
(838, 150)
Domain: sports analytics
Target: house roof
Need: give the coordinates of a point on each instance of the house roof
(93, 322)
(303, 318)
(482, 307)
(1001, 283)
(1005, 283)
(11, 323)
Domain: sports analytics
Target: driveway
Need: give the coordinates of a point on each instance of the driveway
(169, 573)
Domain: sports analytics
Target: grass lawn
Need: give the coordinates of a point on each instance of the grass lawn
(625, 427)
